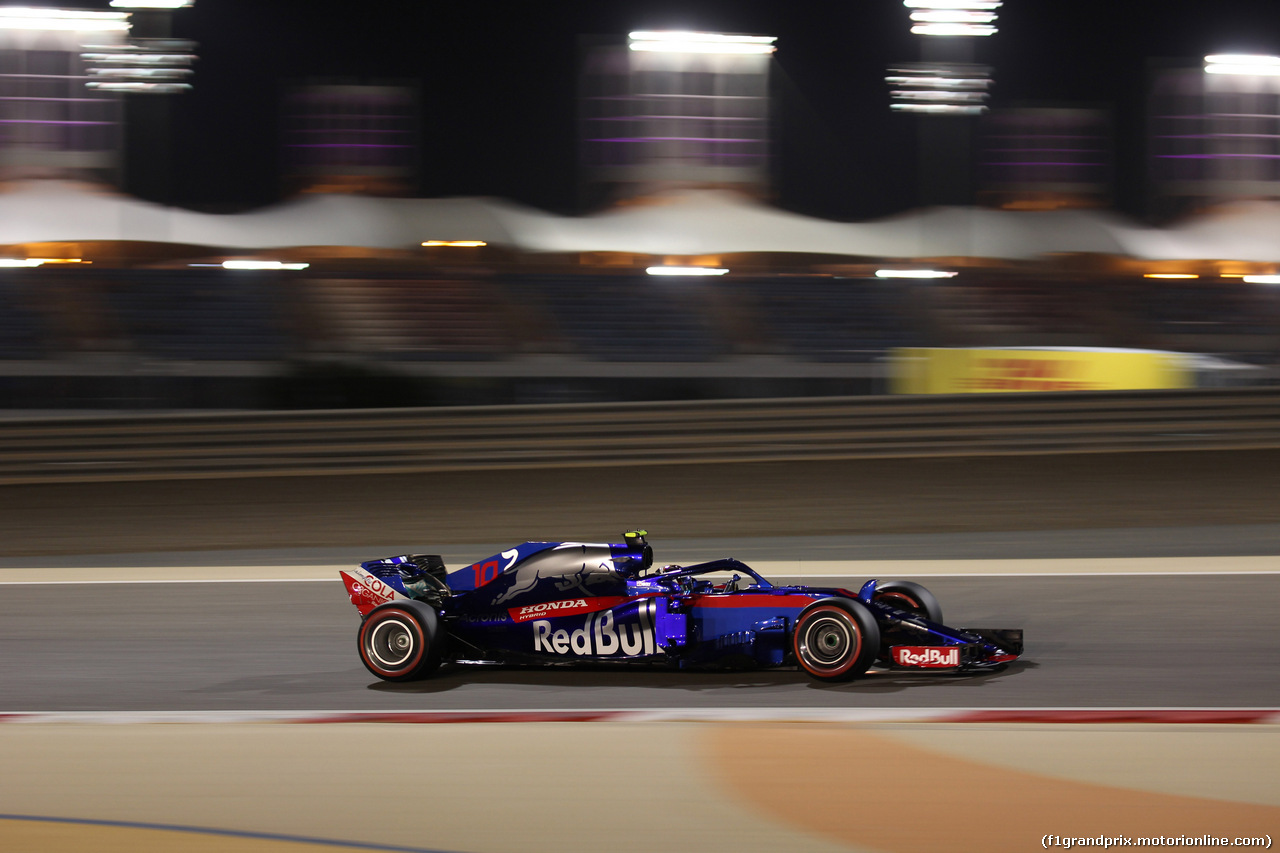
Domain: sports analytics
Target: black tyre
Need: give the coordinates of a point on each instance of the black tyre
(398, 641)
(835, 639)
(911, 597)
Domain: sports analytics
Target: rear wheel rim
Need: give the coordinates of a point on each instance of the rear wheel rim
(391, 643)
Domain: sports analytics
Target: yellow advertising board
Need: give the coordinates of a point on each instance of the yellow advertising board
(986, 371)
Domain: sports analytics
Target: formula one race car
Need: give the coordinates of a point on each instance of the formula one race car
(569, 602)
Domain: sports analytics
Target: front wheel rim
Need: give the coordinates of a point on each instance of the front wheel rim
(829, 643)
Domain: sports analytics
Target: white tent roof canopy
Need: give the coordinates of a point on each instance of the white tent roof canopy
(703, 222)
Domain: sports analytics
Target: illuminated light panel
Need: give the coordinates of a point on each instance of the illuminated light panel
(10, 263)
(984, 5)
(149, 66)
(953, 30)
(457, 244)
(686, 271)
(150, 88)
(1261, 279)
(688, 42)
(684, 36)
(23, 18)
(914, 274)
(953, 17)
(60, 260)
(262, 265)
(1242, 64)
(942, 97)
(159, 73)
(142, 60)
(947, 88)
(940, 82)
(941, 109)
(1169, 275)
(151, 4)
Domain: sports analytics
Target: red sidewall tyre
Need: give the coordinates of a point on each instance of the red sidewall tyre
(397, 641)
(835, 640)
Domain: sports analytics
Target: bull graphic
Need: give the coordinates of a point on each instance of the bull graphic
(574, 579)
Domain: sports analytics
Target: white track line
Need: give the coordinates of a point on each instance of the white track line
(912, 574)
(1072, 715)
(780, 571)
(779, 580)
(168, 580)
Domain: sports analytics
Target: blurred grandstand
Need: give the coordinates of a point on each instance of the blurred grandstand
(110, 302)
(511, 329)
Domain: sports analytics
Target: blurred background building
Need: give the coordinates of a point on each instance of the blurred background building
(350, 138)
(1042, 158)
(52, 124)
(1214, 133)
(676, 110)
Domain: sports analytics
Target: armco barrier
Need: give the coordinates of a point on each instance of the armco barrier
(180, 446)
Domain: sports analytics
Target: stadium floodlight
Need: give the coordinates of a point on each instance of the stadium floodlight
(686, 271)
(985, 5)
(953, 30)
(1262, 279)
(940, 97)
(262, 265)
(687, 42)
(23, 18)
(1243, 65)
(953, 17)
(945, 83)
(142, 88)
(140, 60)
(151, 66)
(151, 73)
(914, 274)
(940, 88)
(939, 109)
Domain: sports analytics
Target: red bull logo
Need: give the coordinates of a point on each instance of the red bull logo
(926, 656)
(602, 635)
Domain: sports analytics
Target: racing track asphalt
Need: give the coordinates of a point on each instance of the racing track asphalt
(1099, 641)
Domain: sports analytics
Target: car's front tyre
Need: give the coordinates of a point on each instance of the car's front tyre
(911, 597)
(835, 639)
(398, 640)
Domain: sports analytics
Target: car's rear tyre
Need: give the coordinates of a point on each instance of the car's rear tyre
(835, 639)
(911, 597)
(398, 641)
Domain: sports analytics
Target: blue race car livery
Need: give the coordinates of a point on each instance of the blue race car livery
(560, 603)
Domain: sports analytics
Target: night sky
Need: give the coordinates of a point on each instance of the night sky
(499, 82)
